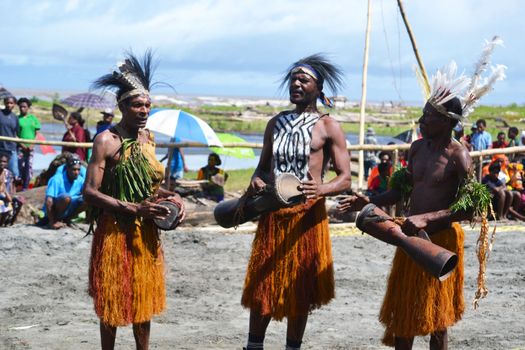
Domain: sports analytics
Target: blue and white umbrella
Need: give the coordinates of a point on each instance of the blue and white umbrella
(180, 124)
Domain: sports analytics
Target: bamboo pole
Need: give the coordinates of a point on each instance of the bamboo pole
(404, 146)
(363, 97)
(414, 46)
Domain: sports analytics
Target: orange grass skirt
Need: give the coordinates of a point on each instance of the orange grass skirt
(126, 275)
(291, 270)
(417, 303)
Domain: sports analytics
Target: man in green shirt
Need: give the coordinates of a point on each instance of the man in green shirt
(28, 126)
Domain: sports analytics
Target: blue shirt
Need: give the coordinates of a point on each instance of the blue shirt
(60, 184)
(481, 141)
(176, 160)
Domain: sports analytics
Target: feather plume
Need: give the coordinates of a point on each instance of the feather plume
(130, 74)
(498, 73)
(484, 61)
(328, 73)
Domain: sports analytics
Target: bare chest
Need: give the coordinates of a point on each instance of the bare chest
(433, 169)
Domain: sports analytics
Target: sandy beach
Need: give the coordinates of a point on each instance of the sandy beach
(45, 305)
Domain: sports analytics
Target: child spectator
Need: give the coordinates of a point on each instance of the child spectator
(9, 204)
(500, 141)
(481, 139)
(379, 183)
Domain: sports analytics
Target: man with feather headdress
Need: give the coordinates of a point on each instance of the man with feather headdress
(290, 272)
(438, 169)
(126, 277)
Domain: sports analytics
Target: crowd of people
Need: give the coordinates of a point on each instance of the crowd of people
(64, 193)
(290, 270)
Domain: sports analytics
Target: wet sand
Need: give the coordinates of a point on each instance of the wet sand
(44, 302)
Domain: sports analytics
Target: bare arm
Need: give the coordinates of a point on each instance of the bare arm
(104, 147)
(183, 160)
(340, 159)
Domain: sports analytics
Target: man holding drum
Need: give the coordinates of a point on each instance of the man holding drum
(290, 272)
(126, 277)
(437, 178)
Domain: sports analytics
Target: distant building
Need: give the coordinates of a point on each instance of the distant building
(340, 101)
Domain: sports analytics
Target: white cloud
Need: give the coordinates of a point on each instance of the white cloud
(249, 36)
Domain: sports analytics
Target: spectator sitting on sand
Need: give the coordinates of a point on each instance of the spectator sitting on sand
(64, 195)
(214, 189)
(9, 204)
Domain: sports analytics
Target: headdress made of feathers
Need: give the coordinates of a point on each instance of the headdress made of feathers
(131, 78)
(446, 85)
(322, 70)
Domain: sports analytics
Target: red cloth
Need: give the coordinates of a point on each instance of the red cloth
(80, 136)
(496, 144)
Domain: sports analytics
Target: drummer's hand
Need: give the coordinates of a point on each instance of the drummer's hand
(151, 210)
(256, 185)
(413, 224)
(354, 202)
(177, 199)
(310, 188)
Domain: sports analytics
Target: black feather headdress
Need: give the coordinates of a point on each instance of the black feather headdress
(132, 77)
(322, 70)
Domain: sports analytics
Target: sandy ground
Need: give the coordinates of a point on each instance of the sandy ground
(44, 302)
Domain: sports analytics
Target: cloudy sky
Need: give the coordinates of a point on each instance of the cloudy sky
(240, 48)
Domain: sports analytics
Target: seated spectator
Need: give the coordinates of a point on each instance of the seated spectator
(506, 202)
(64, 194)
(379, 183)
(384, 157)
(9, 204)
(500, 200)
(500, 141)
(503, 162)
(216, 177)
(105, 123)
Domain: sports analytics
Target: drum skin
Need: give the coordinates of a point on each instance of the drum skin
(172, 220)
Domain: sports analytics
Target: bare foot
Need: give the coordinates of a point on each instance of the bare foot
(57, 225)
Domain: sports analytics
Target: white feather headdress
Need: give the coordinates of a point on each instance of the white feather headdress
(446, 85)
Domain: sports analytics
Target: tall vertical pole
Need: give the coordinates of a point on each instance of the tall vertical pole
(414, 46)
(363, 97)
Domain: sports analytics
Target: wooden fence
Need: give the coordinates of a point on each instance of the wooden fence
(477, 156)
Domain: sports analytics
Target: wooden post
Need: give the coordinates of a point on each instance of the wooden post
(414, 46)
(363, 97)
(480, 167)
(168, 169)
(396, 158)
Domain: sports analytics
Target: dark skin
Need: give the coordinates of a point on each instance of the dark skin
(56, 207)
(328, 142)
(436, 165)
(135, 113)
(9, 104)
